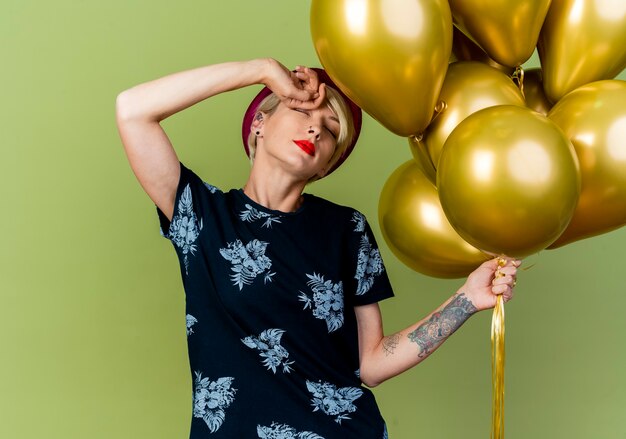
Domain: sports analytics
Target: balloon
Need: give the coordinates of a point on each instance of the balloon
(416, 229)
(508, 180)
(507, 30)
(464, 49)
(469, 86)
(533, 92)
(420, 154)
(388, 56)
(594, 119)
(581, 41)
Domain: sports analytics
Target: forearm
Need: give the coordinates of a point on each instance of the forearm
(160, 98)
(401, 351)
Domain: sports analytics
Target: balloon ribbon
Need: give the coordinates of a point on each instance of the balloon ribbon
(497, 370)
(518, 78)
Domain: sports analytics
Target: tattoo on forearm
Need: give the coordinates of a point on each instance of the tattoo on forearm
(390, 343)
(442, 324)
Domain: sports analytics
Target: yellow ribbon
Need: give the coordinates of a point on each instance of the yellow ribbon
(518, 78)
(497, 365)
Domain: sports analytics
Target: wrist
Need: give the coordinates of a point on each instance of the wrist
(464, 296)
(263, 66)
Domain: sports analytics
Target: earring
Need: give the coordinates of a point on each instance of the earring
(258, 132)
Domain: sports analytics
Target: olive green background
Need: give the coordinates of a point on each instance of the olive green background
(92, 323)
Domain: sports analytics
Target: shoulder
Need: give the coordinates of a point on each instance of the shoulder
(324, 204)
(352, 217)
(191, 176)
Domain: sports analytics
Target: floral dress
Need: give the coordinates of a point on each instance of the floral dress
(271, 328)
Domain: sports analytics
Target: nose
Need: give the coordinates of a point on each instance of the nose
(314, 130)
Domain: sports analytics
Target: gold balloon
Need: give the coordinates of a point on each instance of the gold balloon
(469, 86)
(593, 117)
(506, 29)
(420, 154)
(533, 92)
(416, 229)
(389, 56)
(464, 49)
(581, 41)
(508, 180)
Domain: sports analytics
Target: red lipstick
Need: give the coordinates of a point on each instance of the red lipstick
(306, 146)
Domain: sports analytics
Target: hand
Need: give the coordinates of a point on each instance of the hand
(492, 278)
(299, 89)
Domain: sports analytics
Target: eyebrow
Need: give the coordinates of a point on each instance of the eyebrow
(335, 119)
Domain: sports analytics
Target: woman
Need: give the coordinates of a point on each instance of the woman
(282, 287)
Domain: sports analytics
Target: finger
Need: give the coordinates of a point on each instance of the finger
(507, 297)
(297, 103)
(501, 289)
(510, 270)
(309, 104)
(508, 262)
(300, 69)
(297, 82)
(305, 105)
(313, 82)
(302, 75)
(297, 97)
(307, 78)
(503, 280)
(491, 264)
(510, 294)
(316, 100)
(497, 274)
(321, 95)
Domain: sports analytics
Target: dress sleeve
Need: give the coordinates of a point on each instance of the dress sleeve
(191, 205)
(371, 283)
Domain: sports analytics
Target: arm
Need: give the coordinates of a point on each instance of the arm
(384, 357)
(140, 109)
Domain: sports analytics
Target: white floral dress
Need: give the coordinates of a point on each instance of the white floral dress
(271, 329)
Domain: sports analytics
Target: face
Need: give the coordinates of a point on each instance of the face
(301, 140)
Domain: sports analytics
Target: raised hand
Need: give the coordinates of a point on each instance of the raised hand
(299, 89)
(492, 278)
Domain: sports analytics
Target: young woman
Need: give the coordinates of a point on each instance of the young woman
(282, 287)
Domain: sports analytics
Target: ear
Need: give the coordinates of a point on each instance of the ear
(257, 123)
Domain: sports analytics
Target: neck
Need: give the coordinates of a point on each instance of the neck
(274, 191)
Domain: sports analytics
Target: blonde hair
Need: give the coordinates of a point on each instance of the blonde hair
(338, 106)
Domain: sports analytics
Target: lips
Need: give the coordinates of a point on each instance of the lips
(306, 146)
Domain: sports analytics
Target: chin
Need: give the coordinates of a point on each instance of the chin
(297, 163)
(301, 165)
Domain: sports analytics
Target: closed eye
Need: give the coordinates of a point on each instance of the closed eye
(303, 111)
